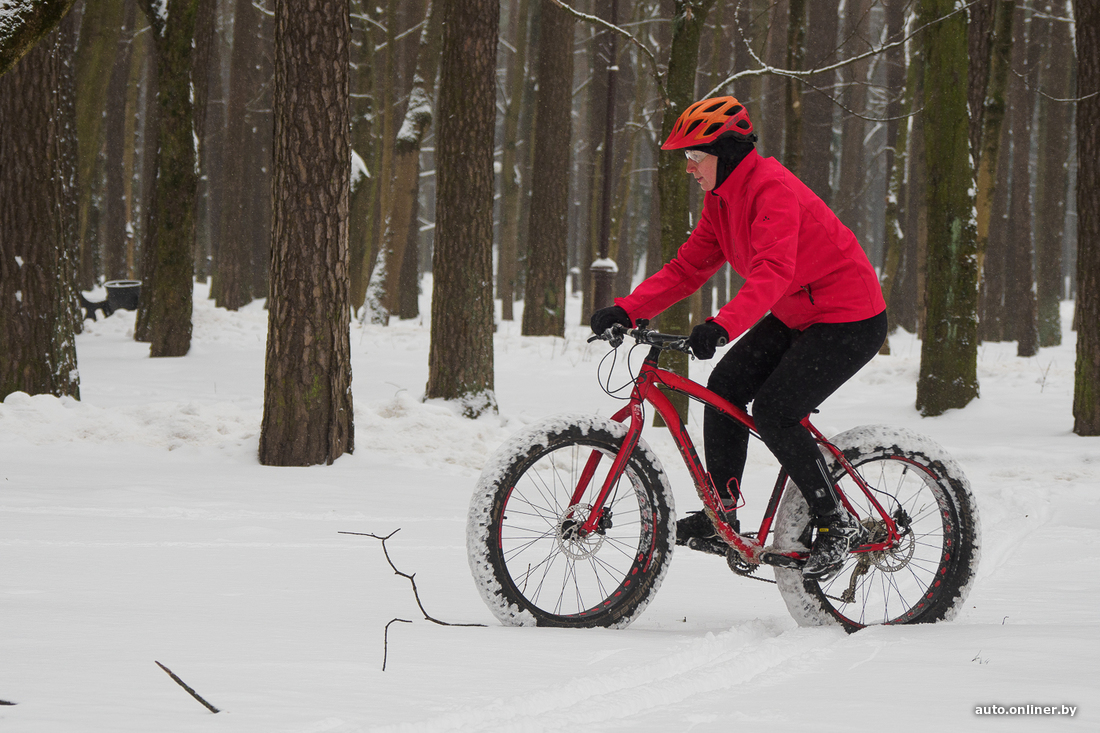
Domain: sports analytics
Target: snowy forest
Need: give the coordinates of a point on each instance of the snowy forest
(214, 212)
(204, 141)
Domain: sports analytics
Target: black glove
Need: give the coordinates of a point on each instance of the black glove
(705, 338)
(605, 318)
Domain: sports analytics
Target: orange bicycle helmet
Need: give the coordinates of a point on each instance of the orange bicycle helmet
(705, 121)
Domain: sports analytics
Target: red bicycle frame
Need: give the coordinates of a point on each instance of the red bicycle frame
(647, 388)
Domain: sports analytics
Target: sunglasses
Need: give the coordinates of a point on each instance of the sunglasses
(695, 156)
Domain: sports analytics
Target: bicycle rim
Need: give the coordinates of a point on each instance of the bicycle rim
(896, 585)
(560, 573)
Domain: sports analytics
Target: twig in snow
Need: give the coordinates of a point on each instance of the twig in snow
(183, 684)
(386, 640)
(411, 578)
(5, 702)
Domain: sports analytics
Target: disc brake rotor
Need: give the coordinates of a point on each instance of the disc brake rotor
(570, 540)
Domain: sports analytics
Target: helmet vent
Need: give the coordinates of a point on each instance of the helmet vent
(714, 108)
(713, 128)
(691, 128)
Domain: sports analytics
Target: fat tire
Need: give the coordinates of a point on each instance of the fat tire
(532, 476)
(907, 591)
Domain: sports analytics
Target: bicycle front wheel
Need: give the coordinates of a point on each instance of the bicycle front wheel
(927, 575)
(532, 563)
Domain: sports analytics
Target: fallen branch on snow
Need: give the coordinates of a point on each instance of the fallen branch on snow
(184, 685)
(416, 593)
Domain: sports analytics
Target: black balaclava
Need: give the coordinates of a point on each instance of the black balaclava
(730, 151)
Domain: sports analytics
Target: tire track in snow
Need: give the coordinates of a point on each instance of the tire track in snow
(710, 665)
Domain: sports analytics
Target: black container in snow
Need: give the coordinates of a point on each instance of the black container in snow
(123, 294)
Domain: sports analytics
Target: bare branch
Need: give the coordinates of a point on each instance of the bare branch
(1041, 93)
(802, 76)
(416, 593)
(184, 685)
(386, 640)
(596, 20)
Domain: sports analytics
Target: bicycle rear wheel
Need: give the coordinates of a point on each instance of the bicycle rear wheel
(928, 575)
(531, 563)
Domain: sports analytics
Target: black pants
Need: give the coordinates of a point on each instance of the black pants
(785, 374)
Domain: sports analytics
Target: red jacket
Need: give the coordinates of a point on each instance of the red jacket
(798, 260)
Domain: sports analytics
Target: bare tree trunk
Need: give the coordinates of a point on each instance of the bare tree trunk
(1020, 306)
(544, 302)
(114, 246)
(460, 357)
(672, 183)
(948, 373)
(232, 282)
(307, 384)
(817, 107)
(95, 54)
(1086, 388)
(992, 124)
(364, 179)
(796, 54)
(172, 223)
(1053, 171)
(384, 290)
(849, 201)
(511, 178)
(991, 326)
(38, 319)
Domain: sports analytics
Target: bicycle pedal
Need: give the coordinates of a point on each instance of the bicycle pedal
(780, 560)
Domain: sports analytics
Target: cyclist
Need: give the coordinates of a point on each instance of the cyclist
(810, 314)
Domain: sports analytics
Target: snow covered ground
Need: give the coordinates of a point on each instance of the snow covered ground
(137, 526)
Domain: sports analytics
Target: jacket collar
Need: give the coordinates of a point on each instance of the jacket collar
(736, 179)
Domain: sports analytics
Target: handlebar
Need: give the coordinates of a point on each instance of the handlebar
(642, 335)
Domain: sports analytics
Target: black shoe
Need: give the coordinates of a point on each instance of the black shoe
(837, 533)
(696, 532)
(694, 526)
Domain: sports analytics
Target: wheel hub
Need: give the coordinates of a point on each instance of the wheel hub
(571, 540)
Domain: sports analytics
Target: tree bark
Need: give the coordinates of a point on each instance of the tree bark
(1086, 389)
(544, 303)
(167, 294)
(849, 201)
(1052, 187)
(460, 357)
(672, 183)
(948, 372)
(232, 277)
(992, 123)
(307, 383)
(817, 107)
(114, 246)
(364, 179)
(796, 54)
(37, 287)
(511, 172)
(98, 46)
(1021, 309)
